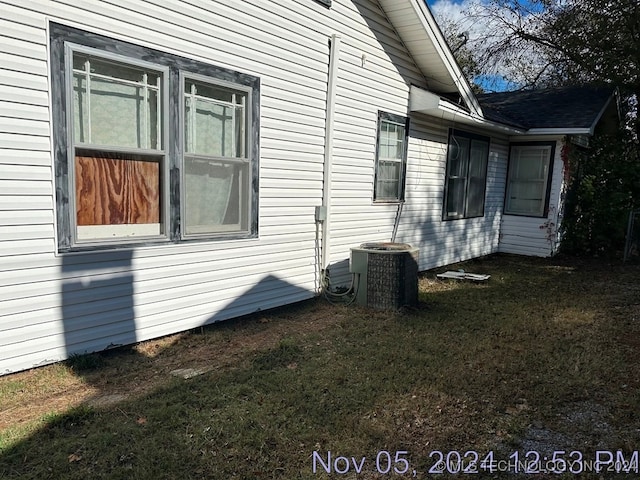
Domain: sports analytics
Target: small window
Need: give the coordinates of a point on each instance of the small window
(528, 182)
(466, 177)
(391, 157)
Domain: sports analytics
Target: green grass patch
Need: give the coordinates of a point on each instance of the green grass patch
(81, 363)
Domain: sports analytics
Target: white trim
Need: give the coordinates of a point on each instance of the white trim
(102, 232)
(443, 49)
(244, 185)
(559, 131)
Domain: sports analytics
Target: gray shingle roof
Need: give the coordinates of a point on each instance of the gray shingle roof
(561, 107)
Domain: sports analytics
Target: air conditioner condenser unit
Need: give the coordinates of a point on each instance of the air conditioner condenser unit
(386, 275)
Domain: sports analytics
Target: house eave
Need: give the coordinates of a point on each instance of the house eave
(420, 33)
(427, 103)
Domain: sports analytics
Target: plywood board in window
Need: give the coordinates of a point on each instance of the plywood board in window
(112, 191)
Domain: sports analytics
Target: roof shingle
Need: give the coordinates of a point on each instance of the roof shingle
(562, 107)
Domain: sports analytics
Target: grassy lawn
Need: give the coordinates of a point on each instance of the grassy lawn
(542, 358)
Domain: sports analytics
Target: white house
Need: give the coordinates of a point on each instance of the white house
(165, 164)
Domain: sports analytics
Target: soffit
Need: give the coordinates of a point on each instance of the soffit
(421, 35)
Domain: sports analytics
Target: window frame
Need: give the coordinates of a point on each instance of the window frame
(63, 40)
(385, 117)
(74, 144)
(454, 133)
(549, 179)
(183, 78)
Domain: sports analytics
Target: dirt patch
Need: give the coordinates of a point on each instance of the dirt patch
(581, 426)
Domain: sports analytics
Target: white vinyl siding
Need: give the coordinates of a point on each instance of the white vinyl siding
(444, 242)
(147, 291)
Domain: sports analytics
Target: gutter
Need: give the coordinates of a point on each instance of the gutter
(428, 103)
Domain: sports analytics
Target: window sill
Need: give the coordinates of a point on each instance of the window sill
(449, 219)
(153, 243)
(526, 215)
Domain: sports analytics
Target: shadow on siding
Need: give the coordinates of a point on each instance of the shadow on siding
(270, 292)
(98, 302)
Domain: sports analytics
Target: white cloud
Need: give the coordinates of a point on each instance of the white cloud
(448, 8)
(464, 17)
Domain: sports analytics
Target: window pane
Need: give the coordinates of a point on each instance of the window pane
(455, 197)
(527, 197)
(458, 156)
(531, 163)
(384, 150)
(80, 108)
(390, 158)
(392, 138)
(475, 197)
(215, 194)
(388, 180)
(467, 158)
(478, 156)
(214, 121)
(115, 104)
(117, 195)
(478, 159)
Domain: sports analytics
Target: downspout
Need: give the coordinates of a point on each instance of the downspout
(397, 221)
(334, 53)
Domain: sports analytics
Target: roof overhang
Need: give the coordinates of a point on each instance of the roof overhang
(423, 101)
(421, 35)
(590, 130)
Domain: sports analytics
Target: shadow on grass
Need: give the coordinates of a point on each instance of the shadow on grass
(471, 369)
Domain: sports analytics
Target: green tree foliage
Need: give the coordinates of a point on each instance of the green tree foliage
(604, 187)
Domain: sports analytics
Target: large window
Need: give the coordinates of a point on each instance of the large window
(466, 175)
(391, 157)
(529, 179)
(150, 147)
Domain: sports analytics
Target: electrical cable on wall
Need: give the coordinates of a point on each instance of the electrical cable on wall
(344, 298)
